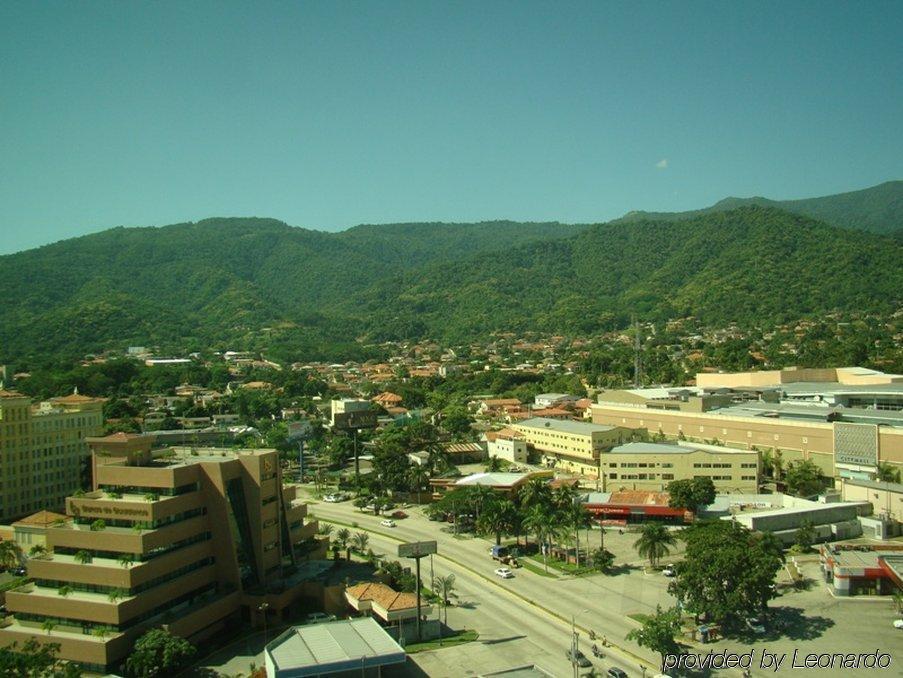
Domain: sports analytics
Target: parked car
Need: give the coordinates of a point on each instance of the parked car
(898, 623)
(504, 572)
(579, 657)
(615, 672)
(335, 498)
(756, 625)
(387, 523)
(20, 571)
(399, 515)
(669, 571)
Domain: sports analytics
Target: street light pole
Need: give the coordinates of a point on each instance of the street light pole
(575, 643)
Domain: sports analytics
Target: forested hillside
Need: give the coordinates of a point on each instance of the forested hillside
(258, 283)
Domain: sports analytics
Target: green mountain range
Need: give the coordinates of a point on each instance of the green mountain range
(305, 295)
(878, 209)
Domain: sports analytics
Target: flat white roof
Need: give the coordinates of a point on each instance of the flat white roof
(564, 426)
(505, 479)
(331, 647)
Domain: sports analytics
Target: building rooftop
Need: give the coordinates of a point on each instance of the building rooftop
(672, 448)
(41, 519)
(384, 595)
(493, 479)
(565, 426)
(875, 484)
(320, 649)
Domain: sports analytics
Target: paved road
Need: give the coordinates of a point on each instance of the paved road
(811, 621)
(605, 599)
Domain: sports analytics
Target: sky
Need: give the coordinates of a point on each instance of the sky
(330, 114)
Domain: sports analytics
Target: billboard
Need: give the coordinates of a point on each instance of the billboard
(347, 421)
(416, 549)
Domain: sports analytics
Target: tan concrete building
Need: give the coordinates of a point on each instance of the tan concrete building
(842, 441)
(651, 466)
(886, 498)
(572, 446)
(43, 450)
(190, 539)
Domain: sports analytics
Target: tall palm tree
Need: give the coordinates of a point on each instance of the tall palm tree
(535, 491)
(497, 519)
(541, 521)
(479, 497)
(655, 542)
(419, 479)
(325, 529)
(360, 541)
(443, 587)
(343, 539)
(575, 517)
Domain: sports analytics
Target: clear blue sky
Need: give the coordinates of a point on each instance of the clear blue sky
(330, 114)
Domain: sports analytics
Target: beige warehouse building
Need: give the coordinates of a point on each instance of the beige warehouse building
(571, 446)
(846, 429)
(651, 466)
(185, 538)
(43, 450)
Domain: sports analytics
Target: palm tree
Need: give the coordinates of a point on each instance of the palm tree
(575, 517)
(115, 595)
(535, 491)
(497, 519)
(443, 587)
(419, 478)
(481, 497)
(10, 554)
(540, 521)
(64, 590)
(343, 539)
(360, 541)
(37, 551)
(126, 559)
(654, 542)
(48, 625)
(325, 529)
(83, 557)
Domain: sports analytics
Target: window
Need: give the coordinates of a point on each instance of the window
(667, 476)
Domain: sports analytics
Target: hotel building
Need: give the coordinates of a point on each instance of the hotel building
(43, 450)
(189, 539)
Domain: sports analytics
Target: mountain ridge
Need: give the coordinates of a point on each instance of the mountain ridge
(301, 294)
(876, 209)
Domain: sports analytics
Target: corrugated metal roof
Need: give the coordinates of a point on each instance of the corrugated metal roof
(333, 646)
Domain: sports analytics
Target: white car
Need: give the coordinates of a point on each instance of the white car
(669, 571)
(898, 623)
(504, 573)
(387, 523)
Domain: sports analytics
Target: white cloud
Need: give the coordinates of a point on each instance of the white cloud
(662, 164)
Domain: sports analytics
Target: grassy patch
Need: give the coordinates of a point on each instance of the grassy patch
(639, 617)
(536, 570)
(561, 566)
(454, 639)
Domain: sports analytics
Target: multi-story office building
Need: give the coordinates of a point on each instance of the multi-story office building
(43, 450)
(572, 446)
(651, 466)
(799, 413)
(190, 539)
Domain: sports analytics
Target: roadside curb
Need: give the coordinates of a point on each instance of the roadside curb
(627, 653)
